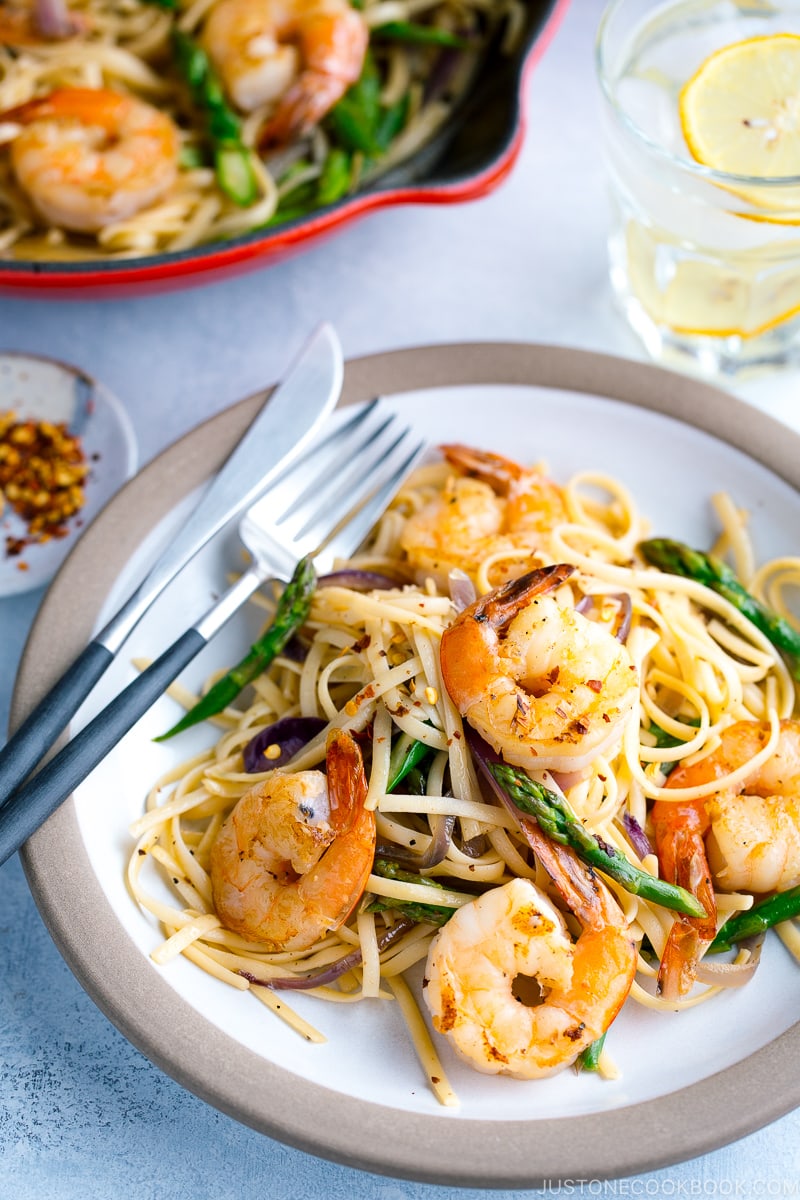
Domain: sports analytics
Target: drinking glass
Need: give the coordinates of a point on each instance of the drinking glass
(705, 264)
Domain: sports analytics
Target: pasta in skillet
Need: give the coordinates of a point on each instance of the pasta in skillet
(152, 126)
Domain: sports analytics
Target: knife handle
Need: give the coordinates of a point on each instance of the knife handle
(28, 808)
(29, 744)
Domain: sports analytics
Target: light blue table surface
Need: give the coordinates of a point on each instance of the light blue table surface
(83, 1115)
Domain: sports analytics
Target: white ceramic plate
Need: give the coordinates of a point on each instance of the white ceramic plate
(43, 389)
(362, 1097)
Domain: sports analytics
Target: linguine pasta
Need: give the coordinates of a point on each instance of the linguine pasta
(371, 666)
(128, 48)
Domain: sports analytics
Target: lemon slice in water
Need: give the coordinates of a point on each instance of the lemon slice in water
(740, 112)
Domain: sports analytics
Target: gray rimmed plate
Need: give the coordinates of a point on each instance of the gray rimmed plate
(361, 1098)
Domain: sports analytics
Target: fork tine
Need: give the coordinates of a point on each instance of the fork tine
(316, 491)
(281, 529)
(333, 502)
(320, 464)
(327, 443)
(350, 532)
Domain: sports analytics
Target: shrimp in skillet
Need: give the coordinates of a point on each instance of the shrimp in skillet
(545, 686)
(492, 504)
(515, 931)
(299, 55)
(87, 157)
(745, 836)
(28, 22)
(292, 859)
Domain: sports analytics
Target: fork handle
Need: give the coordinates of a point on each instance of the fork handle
(28, 745)
(28, 808)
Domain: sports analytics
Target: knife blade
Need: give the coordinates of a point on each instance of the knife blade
(348, 521)
(277, 435)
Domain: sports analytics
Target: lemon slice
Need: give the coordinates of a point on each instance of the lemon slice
(710, 298)
(740, 112)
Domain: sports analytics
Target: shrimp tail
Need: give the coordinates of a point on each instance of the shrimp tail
(464, 672)
(347, 780)
(577, 884)
(680, 830)
(351, 855)
(501, 606)
(301, 108)
(499, 472)
(91, 105)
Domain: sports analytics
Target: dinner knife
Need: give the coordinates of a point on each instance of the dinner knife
(282, 428)
(47, 789)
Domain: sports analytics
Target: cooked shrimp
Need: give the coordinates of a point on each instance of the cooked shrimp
(534, 503)
(291, 861)
(87, 157)
(515, 931)
(300, 55)
(545, 686)
(26, 22)
(493, 504)
(745, 837)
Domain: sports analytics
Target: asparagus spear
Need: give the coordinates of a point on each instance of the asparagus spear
(559, 824)
(589, 1059)
(290, 614)
(425, 35)
(756, 919)
(354, 119)
(666, 741)
(406, 755)
(360, 122)
(232, 159)
(434, 914)
(679, 559)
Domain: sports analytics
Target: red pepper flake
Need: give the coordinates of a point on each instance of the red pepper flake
(595, 684)
(42, 473)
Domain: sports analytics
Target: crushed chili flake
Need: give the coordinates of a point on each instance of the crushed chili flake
(42, 473)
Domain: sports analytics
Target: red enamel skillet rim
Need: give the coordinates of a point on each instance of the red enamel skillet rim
(220, 260)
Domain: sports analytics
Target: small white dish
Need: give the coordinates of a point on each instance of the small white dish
(44, 389)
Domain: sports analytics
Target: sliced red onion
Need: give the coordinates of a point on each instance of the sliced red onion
(623, 622)
(462, 589)
(441, 74)
(295, 649)
(638, 838)
(330, 974)
(358, 581)
(290, 733)
(567, 779)
(52, 19)
(476, 846)
(731, 974)
(626, 615)
(483, 755)
(442, 835)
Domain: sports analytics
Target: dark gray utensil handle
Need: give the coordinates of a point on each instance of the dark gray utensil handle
(30, 807)
(29, 744)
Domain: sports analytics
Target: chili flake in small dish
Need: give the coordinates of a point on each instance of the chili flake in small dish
(42, 473)
(66, 446)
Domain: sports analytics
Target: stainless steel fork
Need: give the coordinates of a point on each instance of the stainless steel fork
(325, 503)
